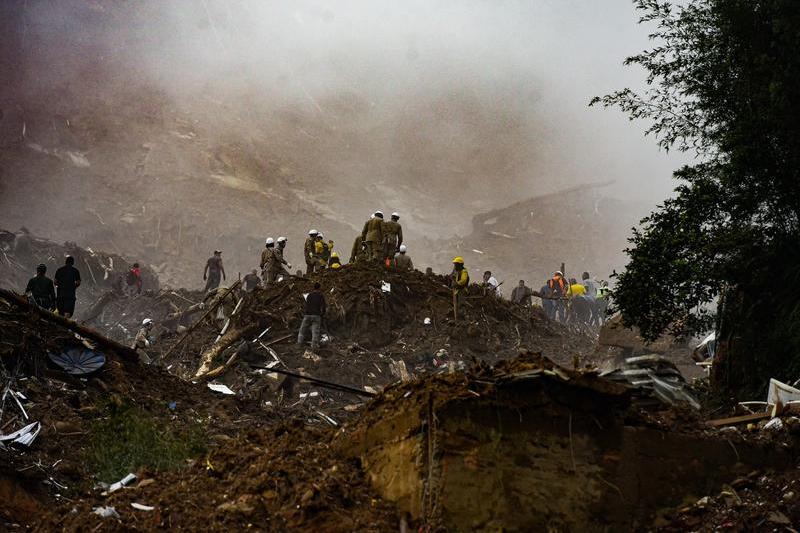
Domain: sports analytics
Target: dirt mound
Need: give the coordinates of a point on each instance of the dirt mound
(378, 335)
(530, 446)
(287, 478)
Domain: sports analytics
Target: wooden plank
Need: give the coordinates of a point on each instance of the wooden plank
(731, 421)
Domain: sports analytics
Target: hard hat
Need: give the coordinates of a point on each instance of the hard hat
(320, 235)
(403, 248)
(558, 273)
(270, 241)
(42, 267)
(379, 214)
(395, 215)
(459, 260)
(147, 321)
(281, 239)
(313, 232)
(335, 254)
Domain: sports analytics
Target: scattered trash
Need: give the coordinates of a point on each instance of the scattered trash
(427, 321)
(656, 373)
(106, 512)
(142, 507)
(124, 482)
(775, 423)
(780, 392)
(328, 419)
(706, 349)
(172, 405)
(79, 360)
(312, 394)
(386, 286)
(24, 436)
(219, 387)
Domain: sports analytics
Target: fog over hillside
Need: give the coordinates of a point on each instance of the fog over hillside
(162, 130)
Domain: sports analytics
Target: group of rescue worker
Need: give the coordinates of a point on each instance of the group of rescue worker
(571, 301)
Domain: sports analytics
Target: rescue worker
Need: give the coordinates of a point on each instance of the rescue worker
(373, 236)
(459, 282)
(320, 253)
(327, 249)
(142, 341)
(67, 280)
(558, 289)
(357, 252)
(308, 251)
(40, 289)
(280, 254)
(402, 262)
(521, 294)
(251, 281)
(333, 262)
(214, 269)
(271, 262)
(429, 271)
(313, 314)
(133, 279)
(590, 284)
(392, 236)
(575, 288)
(490, 284)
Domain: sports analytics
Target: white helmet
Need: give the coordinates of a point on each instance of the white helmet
(395, 215)
(270, 240)
(379, 213)
(281, 239)
(147, 321)
(321, 235)
(403, 248)
(313, 232)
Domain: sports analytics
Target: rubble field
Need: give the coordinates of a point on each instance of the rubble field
(499, 420)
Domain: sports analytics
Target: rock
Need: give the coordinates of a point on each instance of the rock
(788, 496)
(63, 426)
(777, 517)
(703, 502)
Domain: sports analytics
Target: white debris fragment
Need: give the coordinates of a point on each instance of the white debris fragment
(219, 387)
(386, 286)
(106, 512)
(23, 436)
(124, 482)
(142, 507)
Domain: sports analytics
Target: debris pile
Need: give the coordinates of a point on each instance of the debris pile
(382, 327)
(527, 445)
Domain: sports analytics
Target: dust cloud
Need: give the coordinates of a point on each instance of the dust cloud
(439, 110)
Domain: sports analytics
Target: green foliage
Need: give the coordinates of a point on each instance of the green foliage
(724, 81)
(130, 439)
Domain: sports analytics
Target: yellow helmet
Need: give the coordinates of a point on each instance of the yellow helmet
(335, 254)
(459, 260)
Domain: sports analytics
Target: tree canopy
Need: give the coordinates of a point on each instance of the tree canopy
(723, 83)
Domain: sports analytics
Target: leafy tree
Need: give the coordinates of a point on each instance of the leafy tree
(724, 83)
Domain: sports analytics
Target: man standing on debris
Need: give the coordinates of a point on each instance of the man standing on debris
(521, 294)
(133, 279)
(250, 281)
(459, 281)
(280, 251)
(40, 289)
(67, 280)
(373, 236)
(490, 284)
(213, 271)
(358, 252)
(402, 262)
(334, 262)
(308, 251)
(589, 284)
(315, 308)
(558, 289)
(392, 236)
(142, 341)
(270, 262)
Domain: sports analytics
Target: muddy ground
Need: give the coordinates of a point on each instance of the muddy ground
(286, 453)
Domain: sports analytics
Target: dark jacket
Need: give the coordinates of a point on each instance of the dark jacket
(315, 303)
(42, 291)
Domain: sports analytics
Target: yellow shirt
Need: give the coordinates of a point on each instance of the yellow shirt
(577, 289)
